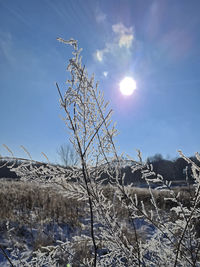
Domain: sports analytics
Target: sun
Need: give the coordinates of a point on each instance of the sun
(127, 86)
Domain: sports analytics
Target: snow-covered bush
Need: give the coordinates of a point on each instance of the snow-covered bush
(144, 235)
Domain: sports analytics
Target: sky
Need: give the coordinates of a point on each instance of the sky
(157, 42)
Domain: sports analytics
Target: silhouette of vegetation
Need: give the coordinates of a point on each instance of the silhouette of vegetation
(177, 170)
(68, 155)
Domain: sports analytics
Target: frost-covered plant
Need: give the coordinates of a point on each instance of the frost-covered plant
(145, 236)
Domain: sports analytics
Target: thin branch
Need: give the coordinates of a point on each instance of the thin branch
(84, 171)
(60, 93)
(186, 226)
(96, 132)
(6, 256)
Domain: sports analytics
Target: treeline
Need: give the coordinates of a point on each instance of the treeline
(172, 170)
(178, 171)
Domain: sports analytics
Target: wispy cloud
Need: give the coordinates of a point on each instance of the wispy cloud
(124, 34)
(18, 14)
(123, 39)
(6, 47)
(105, 73)
(100, 17)
(99, 54)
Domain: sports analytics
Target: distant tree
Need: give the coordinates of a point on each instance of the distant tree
(162, 166)
(68, 155)
(157, 157)
(179, 166)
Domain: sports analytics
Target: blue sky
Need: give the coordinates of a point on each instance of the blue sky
(156, 42)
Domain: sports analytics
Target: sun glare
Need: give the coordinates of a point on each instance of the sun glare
(127, 86)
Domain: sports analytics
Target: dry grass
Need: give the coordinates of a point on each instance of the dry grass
(22, 201)
(28, 204)
(144, 195)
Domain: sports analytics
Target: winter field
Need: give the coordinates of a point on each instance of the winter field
(34, 216)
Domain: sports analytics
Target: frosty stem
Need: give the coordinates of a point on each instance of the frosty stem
(84, 172)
